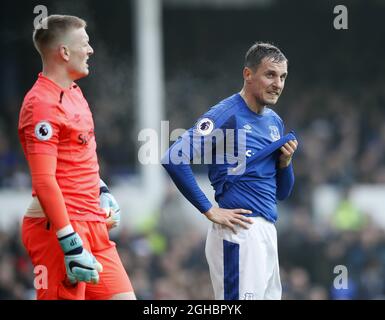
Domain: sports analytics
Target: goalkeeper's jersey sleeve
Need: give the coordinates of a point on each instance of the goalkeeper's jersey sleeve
(58, 122)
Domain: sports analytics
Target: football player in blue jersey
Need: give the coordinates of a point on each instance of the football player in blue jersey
(249, 159)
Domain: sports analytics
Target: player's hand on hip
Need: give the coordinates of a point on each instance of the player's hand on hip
(229, 217)
(287, 152)
(80, 264)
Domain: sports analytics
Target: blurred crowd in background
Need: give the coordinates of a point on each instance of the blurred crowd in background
(334, 99)
(173, 266)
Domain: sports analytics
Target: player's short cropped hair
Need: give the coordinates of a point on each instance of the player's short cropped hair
(261, 50)
(57, 26)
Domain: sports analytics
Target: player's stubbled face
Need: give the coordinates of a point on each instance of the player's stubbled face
(80, 51)
(268, 80)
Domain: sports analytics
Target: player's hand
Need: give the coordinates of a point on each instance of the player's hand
(229, 217)
(112, 209)
(80, 264)
(110, 206)
(287, 152)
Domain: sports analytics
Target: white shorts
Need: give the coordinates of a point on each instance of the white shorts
(244, 266)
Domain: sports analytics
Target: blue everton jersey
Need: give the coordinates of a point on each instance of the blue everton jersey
(230, 133)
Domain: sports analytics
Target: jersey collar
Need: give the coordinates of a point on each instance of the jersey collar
(54, 85)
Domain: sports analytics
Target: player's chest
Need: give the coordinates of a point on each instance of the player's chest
(258, 134)
(79, 128)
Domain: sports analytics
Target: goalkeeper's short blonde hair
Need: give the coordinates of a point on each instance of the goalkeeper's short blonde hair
(57, 27)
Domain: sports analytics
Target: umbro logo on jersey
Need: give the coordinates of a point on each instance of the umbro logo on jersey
(43, 131)
(247, 127)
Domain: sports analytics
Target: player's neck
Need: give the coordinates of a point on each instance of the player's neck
(57, 75)
(251, 102)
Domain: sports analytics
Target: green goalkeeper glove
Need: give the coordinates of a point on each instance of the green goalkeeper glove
(80, 264)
